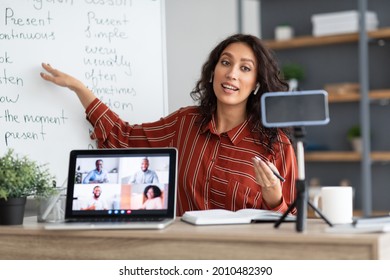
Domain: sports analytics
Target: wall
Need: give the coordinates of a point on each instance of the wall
(193, 28)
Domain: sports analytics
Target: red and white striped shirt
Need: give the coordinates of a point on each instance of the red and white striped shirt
(214, 170)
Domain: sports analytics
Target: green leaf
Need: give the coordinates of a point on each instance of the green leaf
(22, 177)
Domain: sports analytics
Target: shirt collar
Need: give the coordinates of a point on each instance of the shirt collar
(235, 135)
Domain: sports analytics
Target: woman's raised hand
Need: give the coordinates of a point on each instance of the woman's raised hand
(59, 78)
(64, 80)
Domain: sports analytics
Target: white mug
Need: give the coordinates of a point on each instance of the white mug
(336, 204)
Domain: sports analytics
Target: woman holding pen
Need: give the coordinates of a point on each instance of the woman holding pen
(227, 159)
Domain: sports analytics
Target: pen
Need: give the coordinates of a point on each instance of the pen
(273, 171)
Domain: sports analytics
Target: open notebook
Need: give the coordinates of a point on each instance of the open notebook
(120, 189)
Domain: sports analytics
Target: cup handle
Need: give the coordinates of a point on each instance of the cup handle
(316, 200)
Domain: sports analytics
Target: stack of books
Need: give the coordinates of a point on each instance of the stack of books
(341, 22)
(363, 225)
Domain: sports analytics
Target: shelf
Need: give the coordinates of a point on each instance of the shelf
(374, 95)
(310, 41)
(343, 156)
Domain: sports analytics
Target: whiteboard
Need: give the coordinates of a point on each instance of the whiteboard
(115, 47)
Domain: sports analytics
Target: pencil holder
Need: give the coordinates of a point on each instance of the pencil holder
(51, 209)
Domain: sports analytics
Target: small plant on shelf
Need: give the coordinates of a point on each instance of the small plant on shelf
(354, 132)
(354, 136)
(293, 73)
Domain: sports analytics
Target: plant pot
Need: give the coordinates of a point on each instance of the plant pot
(293, 85)
(12, 211)
(357, 144)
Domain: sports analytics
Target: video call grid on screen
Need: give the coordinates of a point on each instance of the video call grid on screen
(300, 108)
(121, 195)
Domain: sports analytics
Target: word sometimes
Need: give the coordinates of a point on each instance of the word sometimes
(114, 90)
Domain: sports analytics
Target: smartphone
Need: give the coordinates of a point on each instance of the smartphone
(294, 108)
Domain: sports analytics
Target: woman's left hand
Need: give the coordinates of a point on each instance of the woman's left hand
(270, 184)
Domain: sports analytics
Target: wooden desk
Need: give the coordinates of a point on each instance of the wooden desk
(185, 241)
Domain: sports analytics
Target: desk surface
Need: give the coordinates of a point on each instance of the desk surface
(185, 241)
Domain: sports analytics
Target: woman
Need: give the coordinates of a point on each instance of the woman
(152, 196)
(218, 139)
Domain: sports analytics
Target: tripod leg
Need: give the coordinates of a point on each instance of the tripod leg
(285, 214)
(301, 205)
(319, 213)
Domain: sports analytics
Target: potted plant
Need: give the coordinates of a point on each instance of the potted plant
(284, 32)
(21, 177)
(354, 136)
(293, 73)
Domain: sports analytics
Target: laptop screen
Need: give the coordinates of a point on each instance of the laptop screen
(121, 183)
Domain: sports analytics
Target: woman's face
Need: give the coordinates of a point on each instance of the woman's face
(235, 75)
(150, 193)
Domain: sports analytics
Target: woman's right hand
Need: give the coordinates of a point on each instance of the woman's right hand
(59, 78)
(64, 80)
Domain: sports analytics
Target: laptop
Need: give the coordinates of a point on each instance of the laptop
(120, 189)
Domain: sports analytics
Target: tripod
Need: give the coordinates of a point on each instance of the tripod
(301, 199)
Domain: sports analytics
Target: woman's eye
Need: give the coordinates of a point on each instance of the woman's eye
(225, 62)
(245, 69)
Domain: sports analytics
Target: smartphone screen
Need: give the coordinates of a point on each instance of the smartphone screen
(297, 108)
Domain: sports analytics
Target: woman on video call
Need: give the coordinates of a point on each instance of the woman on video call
(218, 139)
